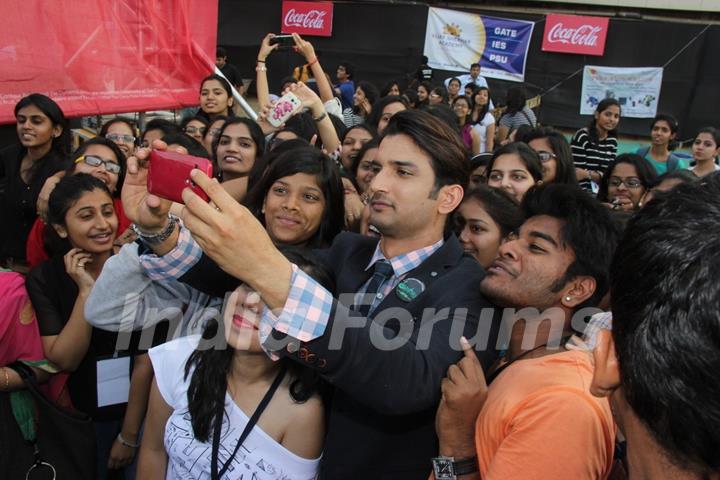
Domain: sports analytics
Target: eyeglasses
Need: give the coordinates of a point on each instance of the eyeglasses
(214, 132)
(116, 137)
(545, 156)
(631, 182)
(95, 161)
(195, 130)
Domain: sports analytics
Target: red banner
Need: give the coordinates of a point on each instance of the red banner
(575, 34)
(307, 18)
(98, 57)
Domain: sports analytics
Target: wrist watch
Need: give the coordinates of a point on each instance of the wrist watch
(447, 468)
(156, 238)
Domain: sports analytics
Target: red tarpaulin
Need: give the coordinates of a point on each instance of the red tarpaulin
(106, 56)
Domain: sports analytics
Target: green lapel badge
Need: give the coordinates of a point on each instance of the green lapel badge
(409, 289)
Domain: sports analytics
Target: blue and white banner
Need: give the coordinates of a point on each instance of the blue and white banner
(636, 89)
(454, 40)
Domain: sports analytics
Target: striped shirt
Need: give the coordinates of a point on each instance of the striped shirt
(592, 156)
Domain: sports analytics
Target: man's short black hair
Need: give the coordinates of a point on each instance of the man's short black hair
(220, 52)
(192, 146)
(474, 65)
(588, 230)
(665, 290)
(349, 69)
(438, 140)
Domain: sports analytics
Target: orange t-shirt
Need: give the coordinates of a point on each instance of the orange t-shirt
(541, 422)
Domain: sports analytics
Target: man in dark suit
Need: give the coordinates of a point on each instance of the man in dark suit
(404, 301)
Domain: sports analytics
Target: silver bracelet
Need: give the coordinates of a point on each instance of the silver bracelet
(157, 238)
(125, 442)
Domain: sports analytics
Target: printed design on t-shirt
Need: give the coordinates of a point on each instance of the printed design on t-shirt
(190, 459)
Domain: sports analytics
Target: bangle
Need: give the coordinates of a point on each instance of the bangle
(260, 61)
(261, 68)
(321, 117)
(7, 379)
(310, 64)
(125, 442)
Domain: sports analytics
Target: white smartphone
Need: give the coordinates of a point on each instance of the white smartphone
(284, 109)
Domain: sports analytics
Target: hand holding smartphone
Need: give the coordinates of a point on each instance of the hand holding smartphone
(284, 109)
(169, 174)
(283, 41)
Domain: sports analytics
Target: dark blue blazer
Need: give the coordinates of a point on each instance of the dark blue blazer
(382, 414)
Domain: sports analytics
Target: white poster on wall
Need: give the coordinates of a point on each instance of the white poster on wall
(636, 89)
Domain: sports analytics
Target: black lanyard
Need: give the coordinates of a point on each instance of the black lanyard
(500, 369)
(248, 428)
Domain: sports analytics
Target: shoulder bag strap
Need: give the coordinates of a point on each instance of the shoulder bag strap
(214, 474)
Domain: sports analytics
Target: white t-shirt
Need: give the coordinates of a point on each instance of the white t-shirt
(481, 129)
(259, 458)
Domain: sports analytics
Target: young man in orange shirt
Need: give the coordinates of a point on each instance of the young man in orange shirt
(537, 419)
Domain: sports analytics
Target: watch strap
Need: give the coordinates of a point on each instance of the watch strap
(465, 466)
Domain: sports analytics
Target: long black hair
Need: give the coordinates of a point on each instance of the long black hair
(502, 207)
(61, 143)
(116, 151)
(208, 383)
(225, 86)
(645, 172)
(592, 126)
(68, 191)
(527, 155)
(565, 171)
(371, 93)
(257, 137)
(311, 161)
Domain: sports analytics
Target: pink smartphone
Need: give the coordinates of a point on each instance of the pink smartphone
(169, 174)
(284, 109)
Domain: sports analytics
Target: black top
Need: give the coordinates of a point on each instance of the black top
(53, 294)
(18, 200)
(232, 74)
(382, 419)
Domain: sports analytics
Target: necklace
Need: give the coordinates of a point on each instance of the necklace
(502, 367)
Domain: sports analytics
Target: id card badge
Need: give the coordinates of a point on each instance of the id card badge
(113, 381)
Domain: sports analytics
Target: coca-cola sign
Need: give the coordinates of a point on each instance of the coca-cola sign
(307, 18)
(575, 34)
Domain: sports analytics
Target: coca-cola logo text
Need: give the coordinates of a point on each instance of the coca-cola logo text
(307, 18)
(583, 35)
(311, 19)
(575, 34)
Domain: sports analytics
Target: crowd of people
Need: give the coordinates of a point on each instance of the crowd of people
(395, 283)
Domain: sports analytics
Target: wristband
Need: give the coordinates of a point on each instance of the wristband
(125, 442)
(321, 117)
(310, 64)
(157, 238)
(261, 61)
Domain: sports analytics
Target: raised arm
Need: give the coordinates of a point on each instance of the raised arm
(261, 81)
(307, 50)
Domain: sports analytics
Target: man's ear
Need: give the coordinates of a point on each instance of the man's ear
(60, 230)
(449, 196)
(606, 374)
(578, 290)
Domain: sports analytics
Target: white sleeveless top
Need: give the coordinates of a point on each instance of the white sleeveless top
(259, 458)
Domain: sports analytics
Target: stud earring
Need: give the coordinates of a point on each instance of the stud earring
(568, 298)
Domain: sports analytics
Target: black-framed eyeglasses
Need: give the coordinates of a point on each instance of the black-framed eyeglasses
(546, 156)
(195, 130)
(95, 161)
(117, 137)
(631, 182)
